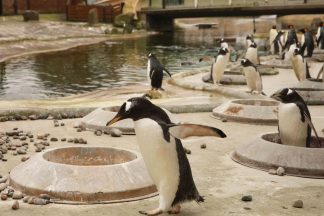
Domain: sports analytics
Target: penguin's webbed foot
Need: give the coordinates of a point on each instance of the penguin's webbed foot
(175, 209)
(151, 212)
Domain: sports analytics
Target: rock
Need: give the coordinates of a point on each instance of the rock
(114, 31)
(25, 199)
(45, 144)
(76, 140)
(38, 149)
(93, 16)
(82, 141)
(31, 140)
(10, 191)
(17, 195)
(4, 149)
(15, 137)
(272, 172)
(3, 186)
(246, 198)
(25, 158)
(22, 138)
(70, 140)
(41, 136)
(280, 171)
(63, 139)
(4, 159)
(32, 117)
(24, 118)
(30, 136)
(64, 116)
(4, 197)
(18, 117)
(50, 117)
(224, 120)
(44, 196)
(187, 151)
(98, 132)
(76, 125)
(79, 130)
(53, 139)
(298, 204)
(203, 146)
(62, 124)
(122, 19)
(40, 201)
(115, 132)
(31, 200)
(21, 151)
(15, 128)
(1, 155)
(3, 179)
(56, 123)
(15, 205)
(15, 154)
(30, 15)
(12, 133)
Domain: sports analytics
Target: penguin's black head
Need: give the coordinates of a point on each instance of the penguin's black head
(274, 27)
(223, 51)
(222, 40)
(249, 37)
(253, 44)
(151, 55)
(246, 62)
(286, 95)
(320, 24)
(137, 108)
(290, 26)
(296, 51)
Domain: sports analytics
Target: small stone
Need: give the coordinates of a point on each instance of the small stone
(44, 196)
(298, 204)
(50, 117)
(15, 153)
(15, 205)
(203, 146)
(22, 138)
(224, 120)
(46, 144)
(62, 124)
(246, 198)
(31, 140)
(38, 150)
(17, 195)
(53, 139)
(98, 132)
(15, 128)
(24, 144)
(32, 117)
(31, 200)
(4, 159)
(280, 171)
(3, 186)
(76, 140)
(25, 158)
(10, 191)
(79, 130)
(40, 201)
(21, 151)
(25, 199)
(63, 139)
(41, 136)
(3, 179)
(114, 132)
(247, 208)
(15, 137)
(70, 140)
(272, 172)
(4, 197)
(56, 123)
(187, 151)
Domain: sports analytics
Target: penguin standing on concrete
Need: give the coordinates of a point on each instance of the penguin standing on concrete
(320, 36)
(277, 43)
(299, 65)
(219, 66)
(287, 54)
(155, 72)
(272, 35)
(166, 161)
(252, 54)
(295, 124)
(249, 39)
(307, 43)
(252, 76)
(291, 37)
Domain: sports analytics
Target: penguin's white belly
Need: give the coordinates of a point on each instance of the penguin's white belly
(252, 55)
(290, 52)
(272, 36)
(248, 43)
(293, 131)
(160, 158)
(253, 79)
(299, 67)
(282, 40)
(148, 72)
(219, 68)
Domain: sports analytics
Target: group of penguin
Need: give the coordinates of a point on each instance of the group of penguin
(159, 137)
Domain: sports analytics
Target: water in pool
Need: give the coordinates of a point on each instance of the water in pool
(99, 66)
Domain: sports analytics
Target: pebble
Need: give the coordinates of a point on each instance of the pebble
(15, 128)
(15, 205)
(298, 204)
(247, 208)
(17, 195)
(22, 138)
(4, 197)
(76, 125)
(115, 132)
(44, 196)
(30, 136)
(76, 140)
(15, 154)
(203, 146)
(62, 124)
(246, 198)
(41, 136)
(21, 151)
(63, 139)
(40, 201)
(272, 172)
(280, 171)
(25, 199)
(79, 130)
(187, 151)
(70, 140)
(3, 179)
(224, 120)
(98, 132)
(31, 140)
(31, 200)
(4, 159)
(15, 137)
(53, 139)
(25, 158)
(82, 141)
(50, 117)
(32, 117)
(56, 123)
(3, 186)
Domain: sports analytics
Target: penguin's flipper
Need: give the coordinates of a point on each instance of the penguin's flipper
(310, 123)
(182, 131)
(167, 71)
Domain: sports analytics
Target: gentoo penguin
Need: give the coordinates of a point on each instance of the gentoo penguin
(224, 44)
(249, 40)
(155, 72)
(307, 43)
(272, 35)
(219, 66)
(299, 65)
(291, 37)
(320, 36)
(294, 119)
(252, 53)
(252, 76)
(287, 54)
(164, 156)
(277, 43)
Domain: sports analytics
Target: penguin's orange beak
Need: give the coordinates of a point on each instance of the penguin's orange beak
(114, 120)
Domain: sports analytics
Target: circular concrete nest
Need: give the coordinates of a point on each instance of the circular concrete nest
(266, 152)
(312, 91)
(84, 175)
(227, 79)
(249, 111)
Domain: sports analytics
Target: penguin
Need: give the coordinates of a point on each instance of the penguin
(252, 54)
(291, 37)
(252, 76)
(219, 66)
(277, 43)
(287, 54)
(164, 156)
(299, 65)
(320, 36)
(249, 40)
(155, 72)
(295, 124)
(224, 44)
(272, 35)
(307, 43)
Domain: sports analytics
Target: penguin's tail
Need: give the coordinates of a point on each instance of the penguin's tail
(200, 199)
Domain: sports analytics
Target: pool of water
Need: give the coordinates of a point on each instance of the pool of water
(105, 65)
